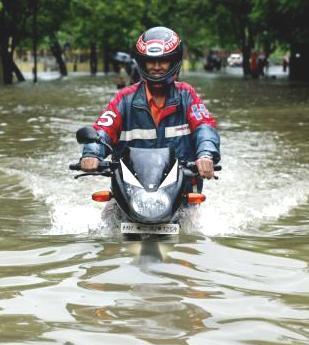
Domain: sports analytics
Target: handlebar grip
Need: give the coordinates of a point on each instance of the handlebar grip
(75, 166)
(103, 166)
(192, 166)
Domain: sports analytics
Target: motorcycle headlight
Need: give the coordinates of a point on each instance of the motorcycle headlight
(150, 204)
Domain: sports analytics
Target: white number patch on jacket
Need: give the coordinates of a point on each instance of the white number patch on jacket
(107, 118)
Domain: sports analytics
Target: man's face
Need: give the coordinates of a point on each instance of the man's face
(157, 68)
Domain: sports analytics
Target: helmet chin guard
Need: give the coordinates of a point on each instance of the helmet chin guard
(159, 43)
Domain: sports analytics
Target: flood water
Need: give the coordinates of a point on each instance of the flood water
(237, 274)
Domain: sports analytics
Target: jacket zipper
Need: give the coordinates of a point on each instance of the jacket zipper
(155, 126)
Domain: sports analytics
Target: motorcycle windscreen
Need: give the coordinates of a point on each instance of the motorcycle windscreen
(149, 166)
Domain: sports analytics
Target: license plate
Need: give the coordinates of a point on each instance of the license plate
(161, 229)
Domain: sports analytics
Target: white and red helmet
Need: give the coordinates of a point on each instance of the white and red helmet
(155, 44)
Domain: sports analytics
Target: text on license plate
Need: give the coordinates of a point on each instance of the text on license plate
(161, 229)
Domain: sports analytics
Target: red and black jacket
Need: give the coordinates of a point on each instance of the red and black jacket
(185, 124)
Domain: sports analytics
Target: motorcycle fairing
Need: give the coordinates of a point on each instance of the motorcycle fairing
(149, 166)
(158, 171)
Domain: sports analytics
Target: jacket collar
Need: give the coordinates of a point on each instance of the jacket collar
(140, 98)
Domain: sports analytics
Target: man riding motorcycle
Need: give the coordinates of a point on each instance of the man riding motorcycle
(157, 111)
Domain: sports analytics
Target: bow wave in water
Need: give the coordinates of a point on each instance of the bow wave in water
(255, 187)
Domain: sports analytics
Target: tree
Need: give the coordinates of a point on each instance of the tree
(288, 23)
(105, 26)
(17, 29)
(52, 18)
(109, 25)
(13, 24)
(231, 22)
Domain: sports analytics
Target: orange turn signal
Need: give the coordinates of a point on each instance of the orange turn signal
(195, 198)
(101, 196)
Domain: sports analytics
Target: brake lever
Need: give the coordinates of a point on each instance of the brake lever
(96, 173)
(86, 174)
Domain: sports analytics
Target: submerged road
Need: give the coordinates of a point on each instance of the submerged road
(238, 273)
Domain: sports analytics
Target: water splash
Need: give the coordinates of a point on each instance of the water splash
(255, 187)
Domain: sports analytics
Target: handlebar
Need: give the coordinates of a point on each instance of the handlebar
(191, 169)
(75, 166)
(192, 166)
(105, 168)
(103, 165)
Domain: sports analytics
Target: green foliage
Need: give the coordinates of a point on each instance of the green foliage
(287, 20)
(202, 24)
(112, 22)
(51, 16)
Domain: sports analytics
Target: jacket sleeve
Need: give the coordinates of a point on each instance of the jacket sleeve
(203, 128)
(108, 125)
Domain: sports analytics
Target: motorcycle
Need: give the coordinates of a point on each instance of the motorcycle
(149, 186)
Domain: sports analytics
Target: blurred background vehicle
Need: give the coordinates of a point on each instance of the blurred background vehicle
(213, 61)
